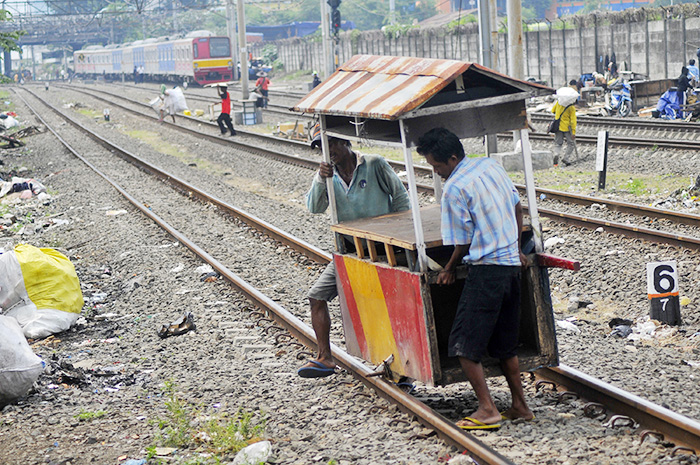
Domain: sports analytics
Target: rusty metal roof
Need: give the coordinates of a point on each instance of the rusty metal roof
(386, 87)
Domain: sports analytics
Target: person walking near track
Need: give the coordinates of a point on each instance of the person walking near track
(482, 219)
(365, 186)
(225, 116)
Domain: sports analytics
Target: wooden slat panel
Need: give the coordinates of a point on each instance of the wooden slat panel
(371, 246)
(358, 247)
(395, 228)
(390, 256)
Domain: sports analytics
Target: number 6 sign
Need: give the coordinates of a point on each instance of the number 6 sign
(662, 289)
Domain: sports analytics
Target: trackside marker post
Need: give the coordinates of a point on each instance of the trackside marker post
(601, 158)
(662, 289)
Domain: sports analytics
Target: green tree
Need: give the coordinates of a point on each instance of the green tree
(8, 40)
(539, 7)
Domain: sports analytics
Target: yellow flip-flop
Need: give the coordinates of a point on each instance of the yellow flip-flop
(477, 424)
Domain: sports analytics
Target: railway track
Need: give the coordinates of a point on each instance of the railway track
(628, 230)
(674, 427)
(660, 142)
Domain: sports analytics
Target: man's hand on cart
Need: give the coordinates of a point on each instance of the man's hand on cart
(524, 261)
(325, 170)
(446, 277)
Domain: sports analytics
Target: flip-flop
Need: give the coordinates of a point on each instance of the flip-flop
(318, 371)
(478, 424)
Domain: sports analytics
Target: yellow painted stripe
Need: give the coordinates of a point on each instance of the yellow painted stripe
(213, 63)
(371, 306)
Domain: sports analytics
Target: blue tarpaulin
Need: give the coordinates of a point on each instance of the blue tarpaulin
(668, 106)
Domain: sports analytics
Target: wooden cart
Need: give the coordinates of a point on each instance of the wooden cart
(394, 315)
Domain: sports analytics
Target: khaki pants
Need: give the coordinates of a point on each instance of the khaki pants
(559, 138)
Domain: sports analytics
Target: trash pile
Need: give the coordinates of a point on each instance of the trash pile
(687, 198)
(40, 295)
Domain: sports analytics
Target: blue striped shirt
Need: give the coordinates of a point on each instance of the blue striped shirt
(478, 208)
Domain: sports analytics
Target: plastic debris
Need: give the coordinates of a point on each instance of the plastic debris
(621, 331)
(569, 326)
(553, 241)
(182, 325)
(135, 462)
(116, 212)
(253, 454)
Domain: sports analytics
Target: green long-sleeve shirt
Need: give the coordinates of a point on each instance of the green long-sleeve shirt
(374, 190)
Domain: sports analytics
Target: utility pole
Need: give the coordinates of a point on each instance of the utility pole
(244, 51)
(515, 46)
(326, 40)
(335, 28)
(231, 32)
(486, 56)
(392, 12)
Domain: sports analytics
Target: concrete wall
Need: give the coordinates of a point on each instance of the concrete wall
(658, 47)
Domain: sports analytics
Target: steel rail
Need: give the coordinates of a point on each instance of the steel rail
(446, 429)
(616, 205)
(277, 234)
(675, 427)
(637, 232)
(623, 141)
(634, 123)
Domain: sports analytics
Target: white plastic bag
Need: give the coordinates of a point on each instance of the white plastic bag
(253, 454)
(157, 104)
(19, 366)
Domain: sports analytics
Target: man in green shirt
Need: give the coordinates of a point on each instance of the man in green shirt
(365, 186)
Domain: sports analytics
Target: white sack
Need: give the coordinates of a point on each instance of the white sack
(19, 366)
(175, 100)
(10, 122)
(566, 96)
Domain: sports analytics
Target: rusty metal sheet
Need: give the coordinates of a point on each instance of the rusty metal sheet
(380, 87)
(386, 87)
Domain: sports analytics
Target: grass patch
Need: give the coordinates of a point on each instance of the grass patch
(5, 97)
(85, 415)
(206, 430)
(621, 183)
(89, 112)
(155, 141)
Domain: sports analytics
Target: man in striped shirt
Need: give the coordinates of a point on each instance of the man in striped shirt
(482, 218)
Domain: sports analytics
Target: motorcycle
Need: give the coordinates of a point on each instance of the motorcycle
(619, 99)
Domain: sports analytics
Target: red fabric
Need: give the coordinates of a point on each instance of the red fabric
(264, 81)
(226, 104)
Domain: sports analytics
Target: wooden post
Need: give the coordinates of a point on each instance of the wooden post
(530, 190)
(415, 206)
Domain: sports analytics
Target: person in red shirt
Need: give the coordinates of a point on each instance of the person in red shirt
(263, 84)
(225, 116)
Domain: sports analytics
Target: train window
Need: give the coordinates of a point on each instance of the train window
(195, 52)
(219, 47)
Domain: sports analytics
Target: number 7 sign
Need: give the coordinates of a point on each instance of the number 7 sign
(662, 289)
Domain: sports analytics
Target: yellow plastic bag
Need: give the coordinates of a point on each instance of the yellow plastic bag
(39, 288)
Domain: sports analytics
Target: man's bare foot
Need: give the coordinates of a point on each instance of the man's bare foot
(512, 414)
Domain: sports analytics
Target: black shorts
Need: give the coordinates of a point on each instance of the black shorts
(488, 314)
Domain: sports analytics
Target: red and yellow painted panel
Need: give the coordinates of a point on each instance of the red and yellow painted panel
(383, 314)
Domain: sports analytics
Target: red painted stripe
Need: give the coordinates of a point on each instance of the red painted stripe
(405, 306)
(346, 293)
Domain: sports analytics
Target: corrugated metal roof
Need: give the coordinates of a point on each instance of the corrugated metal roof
(385, 87)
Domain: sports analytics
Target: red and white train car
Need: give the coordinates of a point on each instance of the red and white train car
(200, 57)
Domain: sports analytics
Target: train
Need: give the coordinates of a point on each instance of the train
(200, 57)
